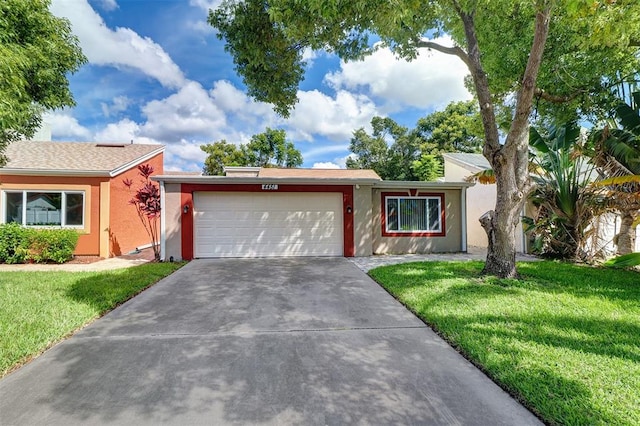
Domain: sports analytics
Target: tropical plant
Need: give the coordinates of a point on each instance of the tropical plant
(628, 260)
(616, 153)
(146, 200)
(566, 202)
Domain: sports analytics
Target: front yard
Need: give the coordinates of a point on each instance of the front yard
(564, 340)
(37, 309)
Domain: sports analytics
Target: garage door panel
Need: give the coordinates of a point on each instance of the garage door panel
(261, 224)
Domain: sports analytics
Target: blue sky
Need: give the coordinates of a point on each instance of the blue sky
(158, 74)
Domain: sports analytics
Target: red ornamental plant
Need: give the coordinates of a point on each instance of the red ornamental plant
(146, 200)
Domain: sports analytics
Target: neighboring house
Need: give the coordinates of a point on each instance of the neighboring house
(480, 198)
(262, 212)
(78, 185)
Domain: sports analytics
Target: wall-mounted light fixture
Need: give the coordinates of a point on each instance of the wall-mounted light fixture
(185, 209)
(349, 209)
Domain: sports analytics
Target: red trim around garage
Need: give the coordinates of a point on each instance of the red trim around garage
(187, 190)
(408, 194)
(186, 212)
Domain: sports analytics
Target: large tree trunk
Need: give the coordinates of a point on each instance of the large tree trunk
(512, 186)
(626, 238)
(509, 161)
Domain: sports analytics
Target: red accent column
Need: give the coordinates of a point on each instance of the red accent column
(186, 199)
(347, 212)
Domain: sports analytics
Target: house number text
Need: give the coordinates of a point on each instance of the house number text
(269, 187)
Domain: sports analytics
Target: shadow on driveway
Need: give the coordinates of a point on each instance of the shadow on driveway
(262, 341)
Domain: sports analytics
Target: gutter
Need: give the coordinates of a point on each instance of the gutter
(55, 172)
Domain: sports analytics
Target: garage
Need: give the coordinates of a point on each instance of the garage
(267, 224)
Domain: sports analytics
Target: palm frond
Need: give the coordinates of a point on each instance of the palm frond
(484, 177)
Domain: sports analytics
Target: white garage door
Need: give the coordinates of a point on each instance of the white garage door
(267, 224)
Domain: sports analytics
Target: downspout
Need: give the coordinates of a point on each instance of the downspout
(163, 235)
(463, 220)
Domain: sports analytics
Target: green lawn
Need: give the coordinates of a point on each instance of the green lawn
(564, 340)
(38, 309)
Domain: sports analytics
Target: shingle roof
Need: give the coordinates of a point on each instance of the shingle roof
(319, 173)
(87, 158)
(476, 161)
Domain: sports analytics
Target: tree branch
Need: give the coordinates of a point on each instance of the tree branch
(481, 83)
(557, 99)
(528, 88)
(455, 50)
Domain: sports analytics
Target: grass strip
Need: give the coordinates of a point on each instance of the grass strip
(564, 339)
(38, 309)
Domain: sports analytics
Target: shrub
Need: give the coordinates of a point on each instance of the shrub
(19, 245)
(13, 243)
(52, 245)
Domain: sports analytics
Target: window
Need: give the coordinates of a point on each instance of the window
(35, 208)
(413, 216)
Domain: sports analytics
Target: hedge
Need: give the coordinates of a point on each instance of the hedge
(25, 245)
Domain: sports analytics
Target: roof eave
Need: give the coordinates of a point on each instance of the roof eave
(54, 172)
(261, 180)
(392, 184)
(123, 168)
(466, 165)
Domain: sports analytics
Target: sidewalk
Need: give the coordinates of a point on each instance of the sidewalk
(473, 253)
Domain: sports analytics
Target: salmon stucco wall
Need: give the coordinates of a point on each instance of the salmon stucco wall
(89, 240)
(450, 242)
(126, 231)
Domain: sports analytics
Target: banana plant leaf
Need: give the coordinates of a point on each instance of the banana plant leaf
(624, 261)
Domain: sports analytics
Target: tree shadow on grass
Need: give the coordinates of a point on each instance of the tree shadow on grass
(500, 341)
(220, 360)
(105, 290)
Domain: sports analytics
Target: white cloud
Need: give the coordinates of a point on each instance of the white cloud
(119, 47)
(65, 126)
(433, 79)
(201, 26)
(325, 165)
(335, 118)
(189, 112)
(122, 131)
(109, 5)
(205, 4)
(118, 104)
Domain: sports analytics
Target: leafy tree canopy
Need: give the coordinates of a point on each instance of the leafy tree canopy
(548, 54)
(398, 153)
(37, 50)
(590, 46)
(458, 128)
(268, 149)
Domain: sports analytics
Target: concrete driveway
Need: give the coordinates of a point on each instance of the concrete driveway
(310, 341)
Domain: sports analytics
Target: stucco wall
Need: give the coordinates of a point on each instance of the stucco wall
(126, 231)
(480, 199)
(172, 216)
(89, 240)
(363, 218)
(450, 242)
